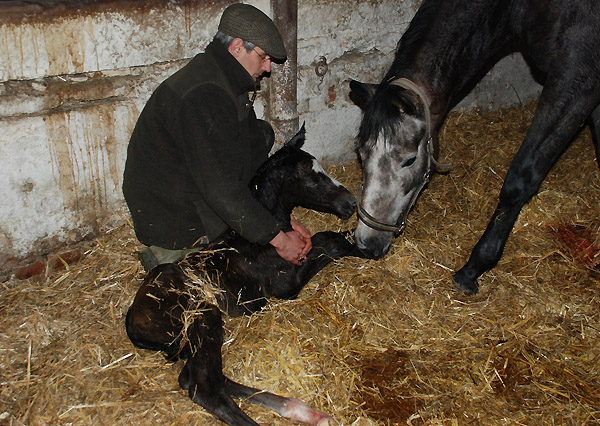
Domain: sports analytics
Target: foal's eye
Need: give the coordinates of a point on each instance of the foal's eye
(408, 161)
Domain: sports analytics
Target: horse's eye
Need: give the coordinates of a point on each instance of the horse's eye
(409, 161)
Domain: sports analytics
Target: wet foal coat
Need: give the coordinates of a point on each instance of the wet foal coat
(248, 274)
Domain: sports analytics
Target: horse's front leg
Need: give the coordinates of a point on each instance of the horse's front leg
(555, 123)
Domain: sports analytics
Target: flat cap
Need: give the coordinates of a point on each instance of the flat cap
(250, 24)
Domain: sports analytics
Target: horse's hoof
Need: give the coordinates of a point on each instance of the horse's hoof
(464, 284)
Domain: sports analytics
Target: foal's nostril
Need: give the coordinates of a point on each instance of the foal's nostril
(351, 207)
(345, 205)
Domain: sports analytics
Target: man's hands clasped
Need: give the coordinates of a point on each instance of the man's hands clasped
(294, 245)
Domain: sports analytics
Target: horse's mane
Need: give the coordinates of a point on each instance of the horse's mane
(383, 113)
(412, 38)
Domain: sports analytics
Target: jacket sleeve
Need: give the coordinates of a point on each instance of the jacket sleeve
(217, 156)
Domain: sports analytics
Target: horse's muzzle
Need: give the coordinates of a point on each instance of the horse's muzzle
(372, 244)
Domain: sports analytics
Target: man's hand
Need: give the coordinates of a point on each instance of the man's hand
(289, 246)
(293, 246)
(297, 226)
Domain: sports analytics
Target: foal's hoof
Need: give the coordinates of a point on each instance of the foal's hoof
(465, 284)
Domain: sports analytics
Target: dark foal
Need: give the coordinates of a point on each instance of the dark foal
(248, 274)
(448, 47)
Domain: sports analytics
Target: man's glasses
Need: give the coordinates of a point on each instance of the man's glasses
(263, 56)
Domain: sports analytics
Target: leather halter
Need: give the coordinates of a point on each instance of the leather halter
(398, 227)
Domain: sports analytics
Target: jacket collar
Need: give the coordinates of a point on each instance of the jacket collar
(240, 80)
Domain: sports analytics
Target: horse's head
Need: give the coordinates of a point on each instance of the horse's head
(304, 183)
(393, 146)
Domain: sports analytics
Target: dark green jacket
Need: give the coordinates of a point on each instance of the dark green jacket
(193, 151)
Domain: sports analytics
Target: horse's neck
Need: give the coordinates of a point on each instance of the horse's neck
(448, 44)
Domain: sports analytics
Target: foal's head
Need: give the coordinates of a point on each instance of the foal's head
(392, 145)
(292, 177)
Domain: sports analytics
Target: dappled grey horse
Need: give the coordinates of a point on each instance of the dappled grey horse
(447, 48)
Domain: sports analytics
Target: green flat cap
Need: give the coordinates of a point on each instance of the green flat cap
(250, 24)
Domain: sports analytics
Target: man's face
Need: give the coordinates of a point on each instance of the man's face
(256, 61)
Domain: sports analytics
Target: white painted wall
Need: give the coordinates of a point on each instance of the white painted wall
(71, 89)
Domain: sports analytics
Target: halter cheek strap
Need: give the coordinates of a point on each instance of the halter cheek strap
(407, 84)
(398, 227)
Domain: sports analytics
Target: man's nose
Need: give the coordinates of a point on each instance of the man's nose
(267, 65)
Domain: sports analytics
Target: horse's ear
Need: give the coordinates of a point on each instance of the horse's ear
(361, 93)
(298, 139)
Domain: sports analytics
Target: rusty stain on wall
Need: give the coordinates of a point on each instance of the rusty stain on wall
(63, 45)
(60, 147)
(84, 151)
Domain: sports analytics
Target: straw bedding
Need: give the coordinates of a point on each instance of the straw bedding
(370, 342)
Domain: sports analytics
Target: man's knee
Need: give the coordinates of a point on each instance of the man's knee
(153, 256)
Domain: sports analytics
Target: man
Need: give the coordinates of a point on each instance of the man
(198, 143)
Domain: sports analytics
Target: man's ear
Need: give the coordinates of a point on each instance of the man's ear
(236, 46)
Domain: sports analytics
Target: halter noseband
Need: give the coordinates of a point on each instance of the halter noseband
(398, 227)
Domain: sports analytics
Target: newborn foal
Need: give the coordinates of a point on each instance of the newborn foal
(248, 274)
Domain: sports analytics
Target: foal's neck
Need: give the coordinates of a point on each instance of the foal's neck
(268, 190)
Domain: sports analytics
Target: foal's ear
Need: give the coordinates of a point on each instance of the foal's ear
(361, 93)
(298, 139)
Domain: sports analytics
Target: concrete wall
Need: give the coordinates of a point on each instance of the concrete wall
(73, 81)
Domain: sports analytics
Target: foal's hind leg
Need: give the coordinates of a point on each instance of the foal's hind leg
(154, 318)
(202, 376)
(290, 408)
(564, 105)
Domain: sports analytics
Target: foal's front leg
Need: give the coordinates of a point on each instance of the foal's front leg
(327, 246)
(555, 123)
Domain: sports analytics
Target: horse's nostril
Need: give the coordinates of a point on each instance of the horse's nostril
(371, 254)
(372, 247)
